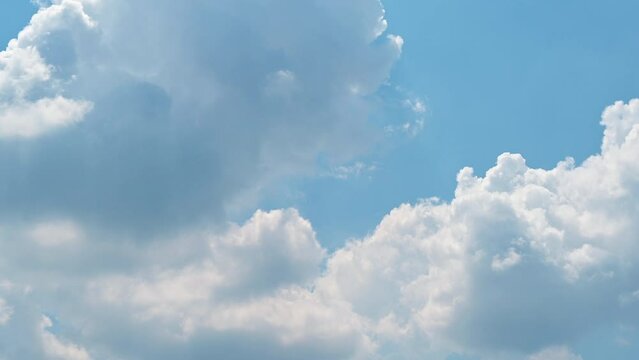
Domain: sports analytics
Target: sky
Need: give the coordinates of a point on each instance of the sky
(295, 179)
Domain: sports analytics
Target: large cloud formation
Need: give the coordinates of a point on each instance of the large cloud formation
(152, 114)
(520, 259)
(519, 263)
(174, 116)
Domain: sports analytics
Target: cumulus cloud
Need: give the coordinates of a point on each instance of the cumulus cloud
(168, 113)
(57, 350)
(126, 128)
(520, 260)
(510, 267)
(256, 283)
(271, 250)
(31, 89)
(34, 119)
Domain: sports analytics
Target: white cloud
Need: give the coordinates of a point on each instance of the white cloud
(515, 249)
(471, 271)
(433, 270)
(31, 100)
(512, 265)
(33, 119)
(55, 349)
(255, 281)
(130, 132)
(272, 250)
(166, 126)
(56, 233)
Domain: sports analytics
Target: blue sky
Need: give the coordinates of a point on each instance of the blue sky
(187, 180)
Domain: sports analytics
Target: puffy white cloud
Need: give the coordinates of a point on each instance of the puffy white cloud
(57, 350)
(294, 254)
(27, 334)
(270, 251)
(125, 123)
(518, 261)
(33, 119)
(31, 88)
(520, 248)
(409, 268)
(512, 265)
(256, 282)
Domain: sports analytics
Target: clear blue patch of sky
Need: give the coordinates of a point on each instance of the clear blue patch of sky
(14, 15)
(610, 343)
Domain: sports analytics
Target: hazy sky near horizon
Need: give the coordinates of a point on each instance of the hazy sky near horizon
(301, 179)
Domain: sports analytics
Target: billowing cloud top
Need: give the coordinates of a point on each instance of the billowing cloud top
(125, 125)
